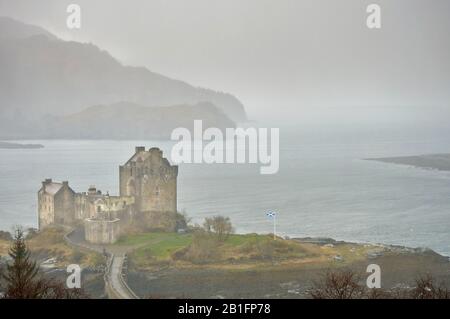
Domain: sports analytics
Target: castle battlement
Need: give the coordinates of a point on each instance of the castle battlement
(149, 177)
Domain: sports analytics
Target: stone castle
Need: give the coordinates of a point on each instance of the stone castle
(148, 185)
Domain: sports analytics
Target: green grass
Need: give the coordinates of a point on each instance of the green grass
(157, 245)
(158, 248)
(238, 240)
(161, 244)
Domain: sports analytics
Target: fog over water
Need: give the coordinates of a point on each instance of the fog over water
(323, 188)
(280, 58)
(338, 91)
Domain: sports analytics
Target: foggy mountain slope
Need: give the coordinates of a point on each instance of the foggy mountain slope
(42, 75)
(10, 28)
(128, 120)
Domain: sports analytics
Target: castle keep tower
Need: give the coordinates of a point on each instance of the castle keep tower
(151, 180)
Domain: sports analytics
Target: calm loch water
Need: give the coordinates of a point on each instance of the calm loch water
(323, 188)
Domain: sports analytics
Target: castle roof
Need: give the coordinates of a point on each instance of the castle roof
(52, 188)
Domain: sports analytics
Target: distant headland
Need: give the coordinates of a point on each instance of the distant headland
(431, 161)
(8, 145)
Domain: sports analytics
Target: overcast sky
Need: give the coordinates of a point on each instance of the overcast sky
(281, 58)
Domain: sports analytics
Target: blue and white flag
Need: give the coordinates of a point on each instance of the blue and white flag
(271, 214)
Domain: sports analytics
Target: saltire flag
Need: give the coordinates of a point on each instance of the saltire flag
(271, 214)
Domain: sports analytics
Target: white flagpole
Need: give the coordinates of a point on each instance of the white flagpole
(274, 226)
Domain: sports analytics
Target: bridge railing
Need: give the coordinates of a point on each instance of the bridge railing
(124, 283)
(109, 287)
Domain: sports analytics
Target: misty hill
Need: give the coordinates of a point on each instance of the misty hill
(128, 120)
(10, 28)
(42, 75)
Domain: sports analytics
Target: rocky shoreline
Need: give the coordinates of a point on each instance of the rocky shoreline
(262, 278)
(400, 266)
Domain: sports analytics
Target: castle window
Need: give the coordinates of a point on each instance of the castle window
(157, 191)
(99, 209)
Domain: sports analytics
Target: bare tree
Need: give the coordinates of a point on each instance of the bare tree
(218, 225)
(426, 288)
(341, 284)
(345, 284)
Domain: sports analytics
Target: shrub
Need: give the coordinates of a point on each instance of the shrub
(426, 288)
(220, 226)
(4, 235)
(97, 259)
(77, 256)
(203, 249)
(49, 236)
(31, 233)
(345, 284)
(156, 221)
(341, 284)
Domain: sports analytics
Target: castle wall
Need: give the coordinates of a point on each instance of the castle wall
(45, 209)
(100, 231)
(64, 202)
(82, 209)
(89, 206)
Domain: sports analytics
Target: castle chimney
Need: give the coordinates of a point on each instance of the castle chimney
(156, 151)
(140, 149)
(65, 183)
(46, 182)
(92, 190)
